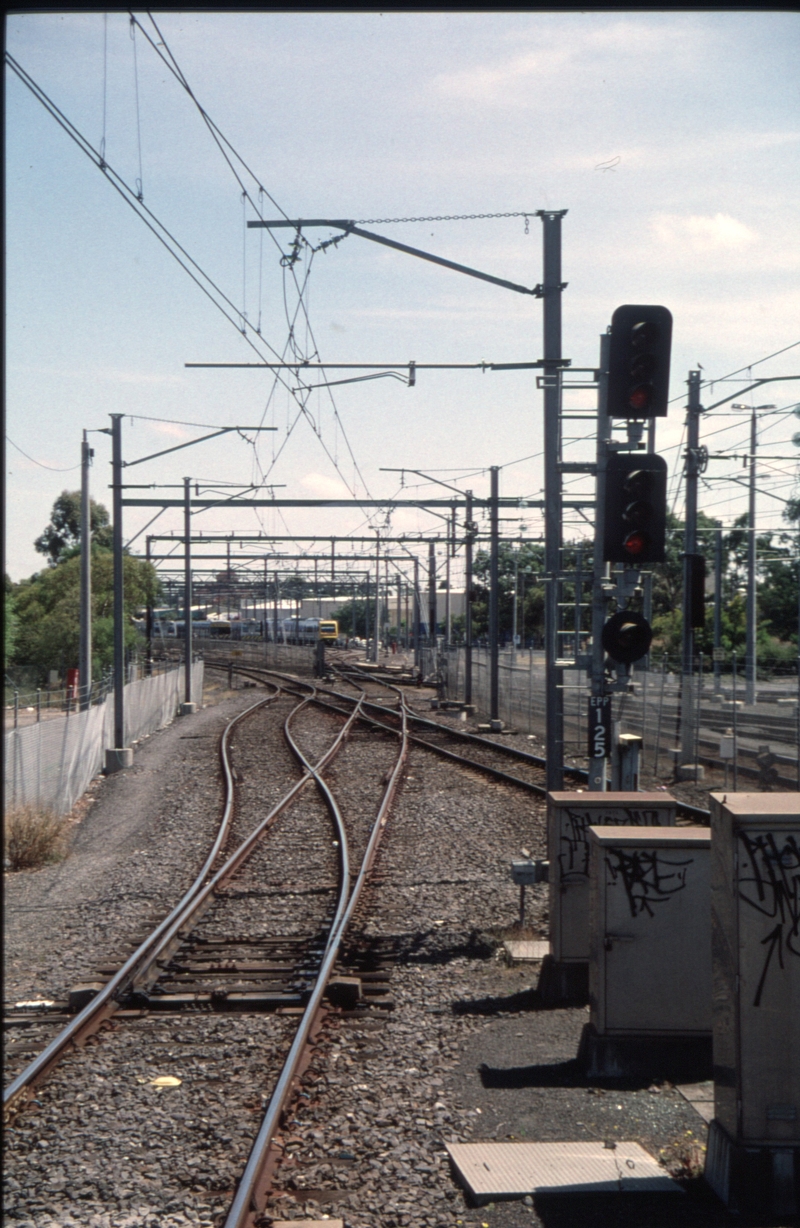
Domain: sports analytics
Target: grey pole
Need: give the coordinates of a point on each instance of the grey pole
(691, 470)
(149, 617)
(432, 596)
(377, 598)
(798, 664)
(514, 619)
(551, 291)
(275, 612)
(451, 545)
(366, 619)
(750, 622)
(119, 582)
(118, 756)
(494, 655)
(316, 591)
(717, 610)
(187, 591)
(417, 655)
(597, 767)
(399, 608)
(85, 657)
(468, 601)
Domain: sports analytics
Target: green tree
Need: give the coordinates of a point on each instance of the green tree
(63, 534)
(529, 557)
(48, 611)
(10, 621)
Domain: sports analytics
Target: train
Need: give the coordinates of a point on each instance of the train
(290, 630)
(310, 630)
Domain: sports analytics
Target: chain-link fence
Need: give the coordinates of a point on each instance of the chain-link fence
(766, 730)
(50, 763)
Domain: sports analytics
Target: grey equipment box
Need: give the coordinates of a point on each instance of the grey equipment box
(753, 1157)
(569, 817)
(649, 952)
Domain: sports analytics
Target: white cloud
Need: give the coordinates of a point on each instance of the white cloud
(169, 428)
(325, 487)
(703, 234)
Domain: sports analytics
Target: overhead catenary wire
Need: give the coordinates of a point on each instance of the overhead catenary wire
(41, 464)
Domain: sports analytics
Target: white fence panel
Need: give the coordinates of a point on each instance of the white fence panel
(50, 764)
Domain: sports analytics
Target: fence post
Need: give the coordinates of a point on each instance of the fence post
(16, 707)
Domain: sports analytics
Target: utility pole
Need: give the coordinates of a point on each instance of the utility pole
(366, 620)
(149, 615)
(691, 471)
(469, 538)
(514, 618)
(377, 598)
(187, 707)
(275, 609)
(494, 648)
(119, 755)
(399, 607)
(417, 656)
(552, 288)
(600, 578)
(717, 610)
(750, 649)
(432, 597)
(85, 658)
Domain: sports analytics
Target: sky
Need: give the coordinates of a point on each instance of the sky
(671, 139)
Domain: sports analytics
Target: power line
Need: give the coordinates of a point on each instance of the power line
(41, 464)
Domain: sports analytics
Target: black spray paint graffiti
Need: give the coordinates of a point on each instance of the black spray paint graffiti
(769, 881)
(573, 857)
(647, 877)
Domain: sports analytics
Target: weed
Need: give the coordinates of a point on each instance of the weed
(32, 837)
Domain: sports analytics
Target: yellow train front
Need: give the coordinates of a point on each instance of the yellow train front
(310, 630)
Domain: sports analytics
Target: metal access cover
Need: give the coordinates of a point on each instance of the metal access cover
(511, 1170)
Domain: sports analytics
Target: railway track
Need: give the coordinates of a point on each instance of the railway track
(195, 966)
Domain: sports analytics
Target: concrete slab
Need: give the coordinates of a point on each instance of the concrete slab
(492, 1171)
(308, 1223)
(524, 951)
(700, 1097)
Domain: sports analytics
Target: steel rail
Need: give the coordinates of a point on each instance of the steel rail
(694, 812)
(102, 1005)
(137, 966)
(461, 760)
(251, 1190)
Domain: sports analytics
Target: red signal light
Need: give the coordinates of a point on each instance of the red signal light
(639, 398)
(636, 543)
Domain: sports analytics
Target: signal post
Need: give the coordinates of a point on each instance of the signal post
(630, 523)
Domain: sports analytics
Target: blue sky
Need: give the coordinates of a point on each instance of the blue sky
(671, 138)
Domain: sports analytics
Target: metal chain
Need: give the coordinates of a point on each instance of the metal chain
(455, 217)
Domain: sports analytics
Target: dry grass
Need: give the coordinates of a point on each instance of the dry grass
(32, 837)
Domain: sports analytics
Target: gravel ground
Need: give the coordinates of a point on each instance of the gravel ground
(138, 846)
(465, 1055)
(101, 1145)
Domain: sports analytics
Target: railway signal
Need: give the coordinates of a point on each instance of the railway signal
(696, 590)
(638, 365)
(627, 637)
(635, 509)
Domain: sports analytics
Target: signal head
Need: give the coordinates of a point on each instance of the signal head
(638, 367)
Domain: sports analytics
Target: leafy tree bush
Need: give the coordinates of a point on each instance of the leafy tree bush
(63, 534)
(48, 611)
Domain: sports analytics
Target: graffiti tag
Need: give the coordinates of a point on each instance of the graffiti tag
(647, 877)
(769, 882)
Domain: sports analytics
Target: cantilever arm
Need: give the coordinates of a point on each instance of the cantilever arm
(351, 228)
